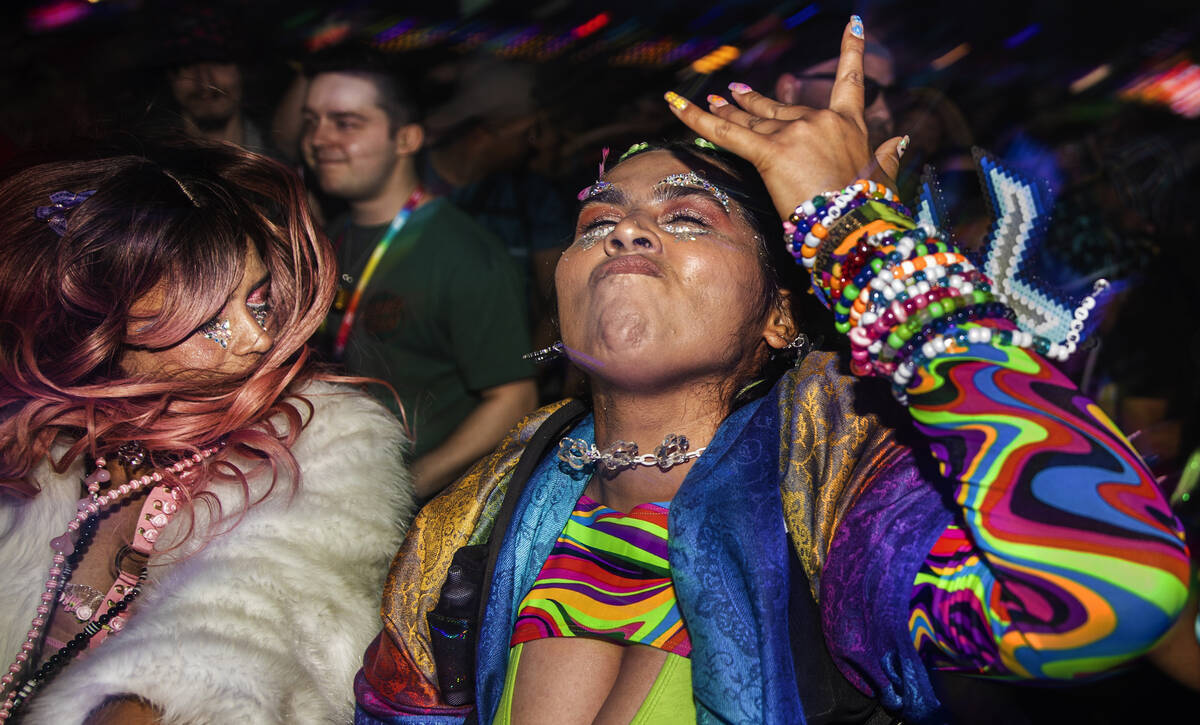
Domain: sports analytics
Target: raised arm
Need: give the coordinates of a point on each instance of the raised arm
(1066, 560)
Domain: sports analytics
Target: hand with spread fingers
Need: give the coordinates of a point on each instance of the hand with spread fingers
(799, 151)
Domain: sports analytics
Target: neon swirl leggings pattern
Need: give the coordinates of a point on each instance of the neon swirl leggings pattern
(1068, 555)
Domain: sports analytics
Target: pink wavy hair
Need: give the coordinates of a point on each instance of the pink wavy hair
(181, 217)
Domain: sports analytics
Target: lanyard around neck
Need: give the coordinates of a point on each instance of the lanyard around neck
(398, 222)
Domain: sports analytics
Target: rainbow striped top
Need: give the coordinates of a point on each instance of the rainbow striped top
(608, 578)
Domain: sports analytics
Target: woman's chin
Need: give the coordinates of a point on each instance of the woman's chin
(641, 368)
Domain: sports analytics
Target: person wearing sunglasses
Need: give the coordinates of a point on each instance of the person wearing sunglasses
(812, 85)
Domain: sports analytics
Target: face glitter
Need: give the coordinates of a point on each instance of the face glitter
(683, 232)
(693, 180)
(592, 236)
(217, 330)
(259, 305)
(259, 313)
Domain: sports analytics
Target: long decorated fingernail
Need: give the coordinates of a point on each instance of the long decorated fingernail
(856, 26)
(902, 146)
(716, 101)
(677, 101)
(740, 88)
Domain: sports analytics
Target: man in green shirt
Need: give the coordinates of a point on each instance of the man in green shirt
(428, 300)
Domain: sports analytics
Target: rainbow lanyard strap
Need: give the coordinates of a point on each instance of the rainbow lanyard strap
(381, 248)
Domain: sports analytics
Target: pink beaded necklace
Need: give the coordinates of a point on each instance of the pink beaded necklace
(156, 513)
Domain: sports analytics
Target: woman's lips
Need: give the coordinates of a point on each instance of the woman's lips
(627, 264)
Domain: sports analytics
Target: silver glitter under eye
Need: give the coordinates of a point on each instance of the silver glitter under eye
(684, 232)
(593, 236)
(693, 180)
(217, 330)
(259, 312)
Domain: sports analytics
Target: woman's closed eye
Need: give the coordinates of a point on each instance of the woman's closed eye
(594, 231)
(684, 226)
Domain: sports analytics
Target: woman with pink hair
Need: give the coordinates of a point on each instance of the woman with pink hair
(195, 521)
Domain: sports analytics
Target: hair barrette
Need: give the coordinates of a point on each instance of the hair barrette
(61, 202)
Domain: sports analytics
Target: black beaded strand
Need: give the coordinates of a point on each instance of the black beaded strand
(78, 643)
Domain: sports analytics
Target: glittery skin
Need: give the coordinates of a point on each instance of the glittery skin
(259, 313)
(592, 237)
(217, 330)
(682, 233)
(692, 179)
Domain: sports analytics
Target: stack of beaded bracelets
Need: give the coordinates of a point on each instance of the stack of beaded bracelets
(808, 227)
(899, 290)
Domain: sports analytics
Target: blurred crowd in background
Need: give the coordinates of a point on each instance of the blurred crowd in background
(1100, 104)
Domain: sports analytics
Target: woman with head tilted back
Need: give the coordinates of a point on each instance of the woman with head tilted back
(193, 525)
(790, 560)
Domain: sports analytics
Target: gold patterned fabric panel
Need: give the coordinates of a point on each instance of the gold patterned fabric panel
(830, 446)
(444, 525)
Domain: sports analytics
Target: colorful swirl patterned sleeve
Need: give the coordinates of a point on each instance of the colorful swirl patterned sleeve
(1067, 559)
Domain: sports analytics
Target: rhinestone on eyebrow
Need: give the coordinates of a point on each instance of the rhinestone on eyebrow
(589, 191)
(692, 179)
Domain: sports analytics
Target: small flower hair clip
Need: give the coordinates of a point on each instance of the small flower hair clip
(61, 202)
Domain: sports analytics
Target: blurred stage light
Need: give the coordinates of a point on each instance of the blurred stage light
(716, 60)
(56, 15)
(1175, 84)
(1021, 37)
(591, 26)
(1093, 77)
(800, 17)
(949, 59)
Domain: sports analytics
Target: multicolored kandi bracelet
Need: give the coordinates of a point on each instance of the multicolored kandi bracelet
(901, 292)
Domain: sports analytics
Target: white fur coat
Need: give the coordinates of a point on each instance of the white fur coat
(264, 624)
